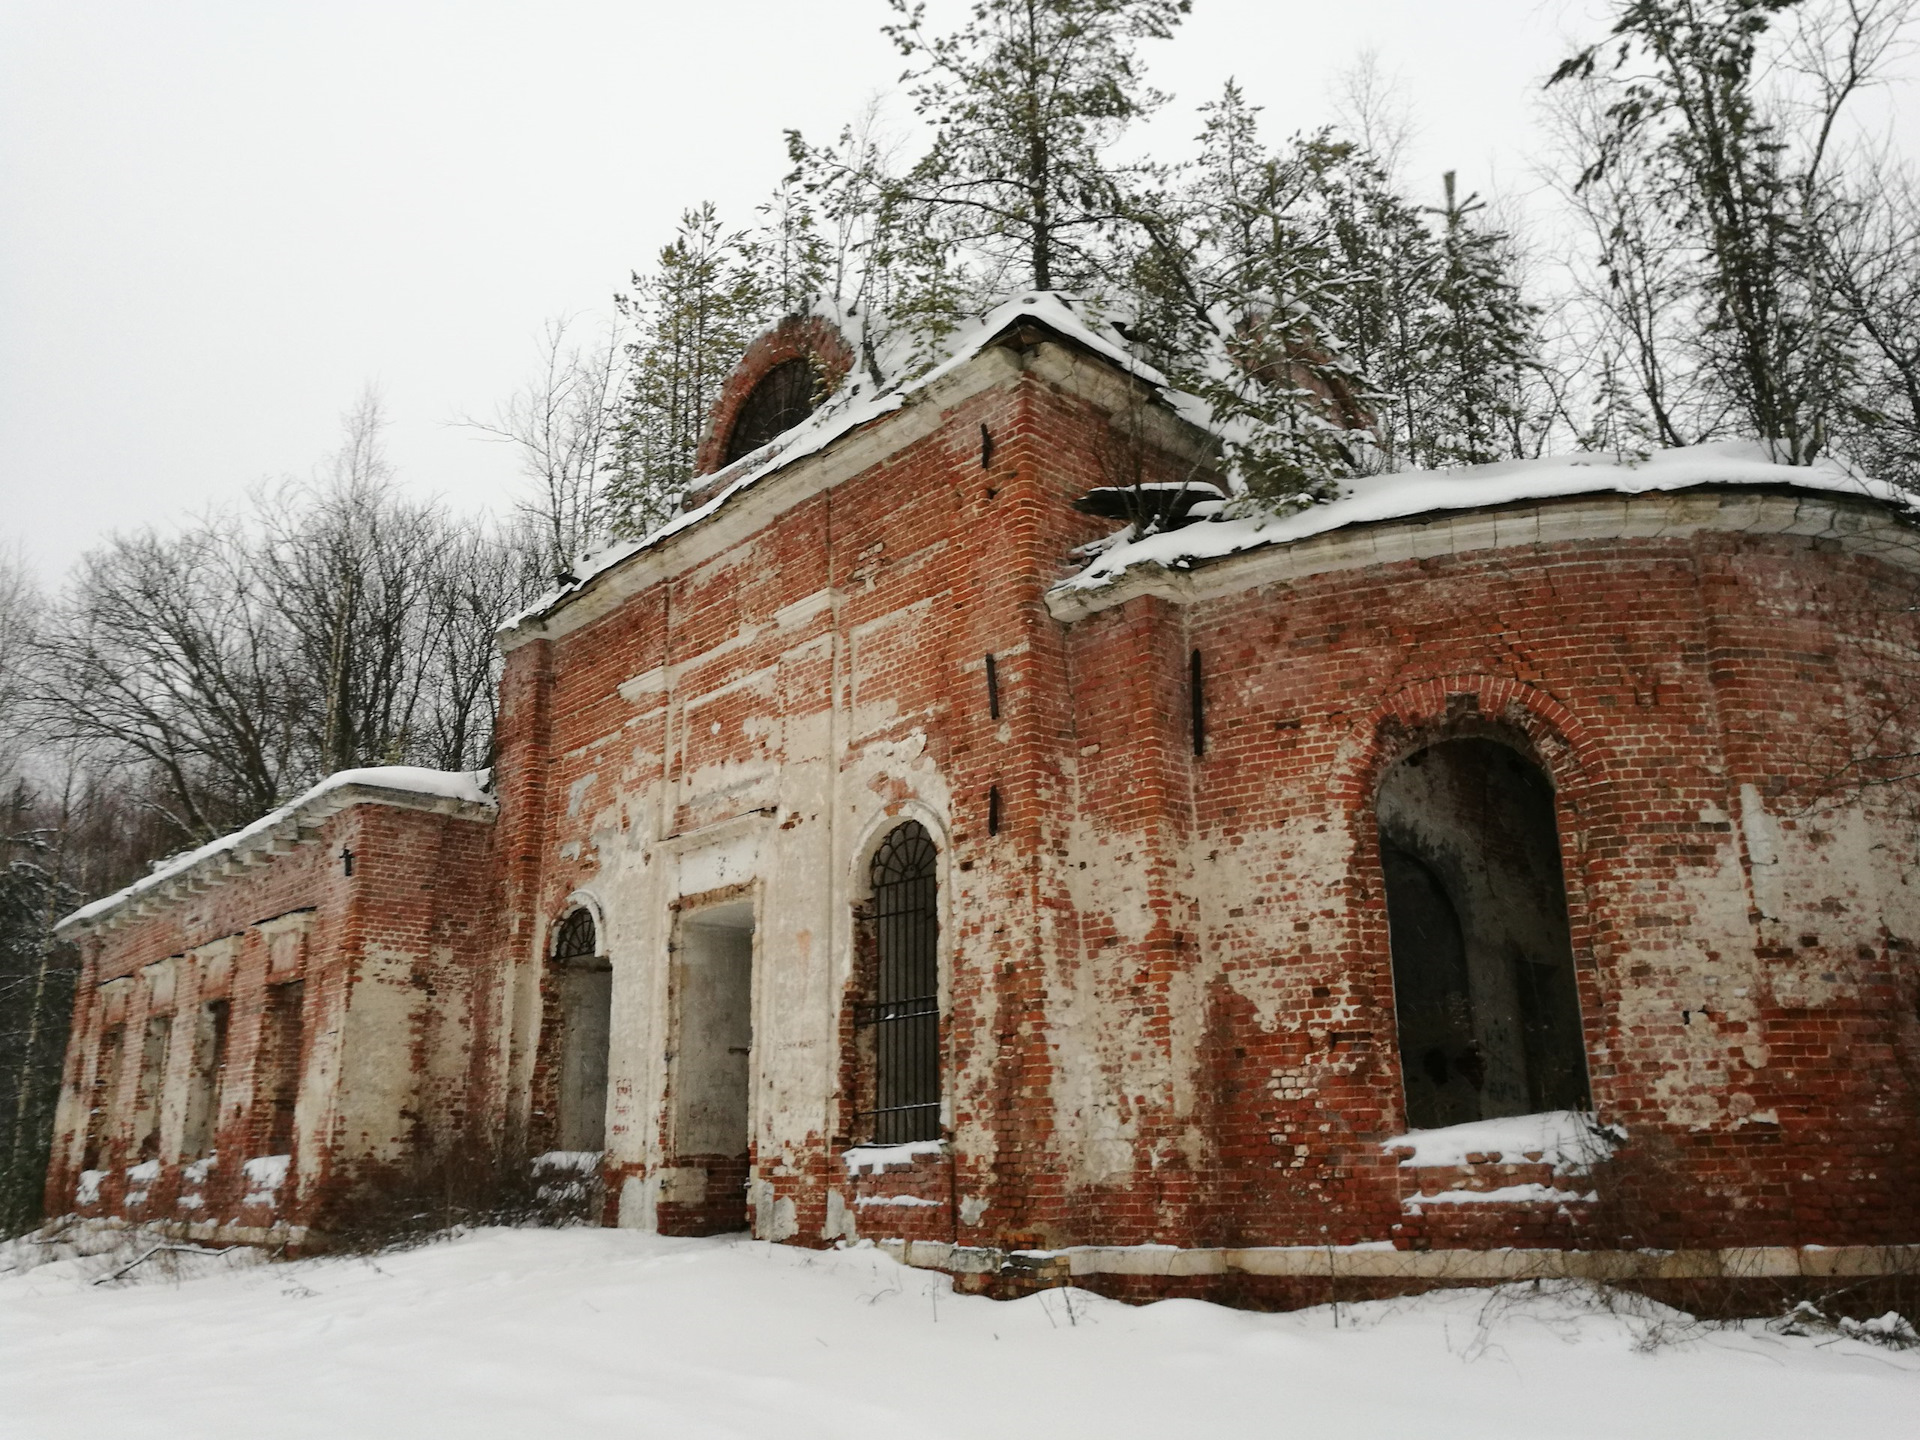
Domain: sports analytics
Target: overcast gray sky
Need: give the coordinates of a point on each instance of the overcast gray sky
(220, 219)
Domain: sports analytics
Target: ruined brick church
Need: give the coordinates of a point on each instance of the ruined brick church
(962, 829)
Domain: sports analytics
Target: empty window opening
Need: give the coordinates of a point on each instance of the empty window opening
(106, 1092)
(899, 1024)
(713, 1063)
(583, 982)
(153, 1080)
(280, 1035)
(205, 1080)
(783, 398)
(1484, 993)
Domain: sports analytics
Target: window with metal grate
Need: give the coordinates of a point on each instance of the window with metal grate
(783, 398)
(904, 1014)
(575, 939)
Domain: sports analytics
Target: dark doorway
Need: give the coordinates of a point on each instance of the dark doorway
(280, 1041)
(583, 985)
(712, 1071)
(1484, 994)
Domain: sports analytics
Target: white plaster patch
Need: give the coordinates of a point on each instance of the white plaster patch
(683, 1185)
(639, 1203)
(577, 792)
(840, 1220)
(729, 862)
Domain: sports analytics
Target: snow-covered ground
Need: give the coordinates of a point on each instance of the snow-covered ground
(536, 1333)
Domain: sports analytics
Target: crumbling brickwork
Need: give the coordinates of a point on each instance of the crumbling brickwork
(320, 1025)
(1167, 1010)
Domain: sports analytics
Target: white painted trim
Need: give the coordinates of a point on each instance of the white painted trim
(1382, 1262)
(1861, 526)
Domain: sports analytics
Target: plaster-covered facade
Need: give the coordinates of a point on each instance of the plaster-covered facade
(1585, 749)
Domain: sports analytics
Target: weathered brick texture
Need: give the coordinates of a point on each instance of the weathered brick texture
(1167, 996)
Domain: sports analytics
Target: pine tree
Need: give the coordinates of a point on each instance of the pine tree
(1026, 101)
(1480, 345)
(894, 269)
(691, 319)
(1334, 326)
(1725, 185)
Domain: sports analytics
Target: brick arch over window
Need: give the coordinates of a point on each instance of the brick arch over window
(1486, 1005)
(748, 399)
(1577, 774)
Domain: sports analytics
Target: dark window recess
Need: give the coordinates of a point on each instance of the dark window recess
(783, 398)
(153, 1078)
(993, 689)
(204, 1085)
(1484, 995)
(106, 1092)
(583, 984)
(986, 446)
(281, 1067)
(993, 810)
(904, 1015)
(1197, 697)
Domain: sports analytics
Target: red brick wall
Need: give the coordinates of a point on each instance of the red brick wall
(418, 891)
(1169, 1014)
(1654, 679)
(1168, 1006)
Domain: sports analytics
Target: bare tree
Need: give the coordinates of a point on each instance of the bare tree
(1708, 150)
(167, 652)
(349, 563)
(21, 609)
(337, 624)
(562, 424)
(1872, 250)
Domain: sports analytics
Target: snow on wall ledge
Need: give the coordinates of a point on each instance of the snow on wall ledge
(1571, 1142)
(1412, 494)
(377, 784)
(858, 404)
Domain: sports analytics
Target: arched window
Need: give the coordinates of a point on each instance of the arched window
(1484, 995)
(582, 982)
(576, 938)
(903, 1014)
(783, 398)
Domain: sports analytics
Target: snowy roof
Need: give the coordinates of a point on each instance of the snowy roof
(1414, 493)
(860, 403)
(408, 785)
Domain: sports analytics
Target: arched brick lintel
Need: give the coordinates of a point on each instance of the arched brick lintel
(812, 338)
(1447, 706)
(1577, 763)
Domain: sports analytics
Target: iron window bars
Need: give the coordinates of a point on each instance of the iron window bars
(575, 939)
(904, 1013)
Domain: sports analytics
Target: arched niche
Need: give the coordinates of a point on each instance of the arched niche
(1487, 1010)
(582, 979)
(897, 1058)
